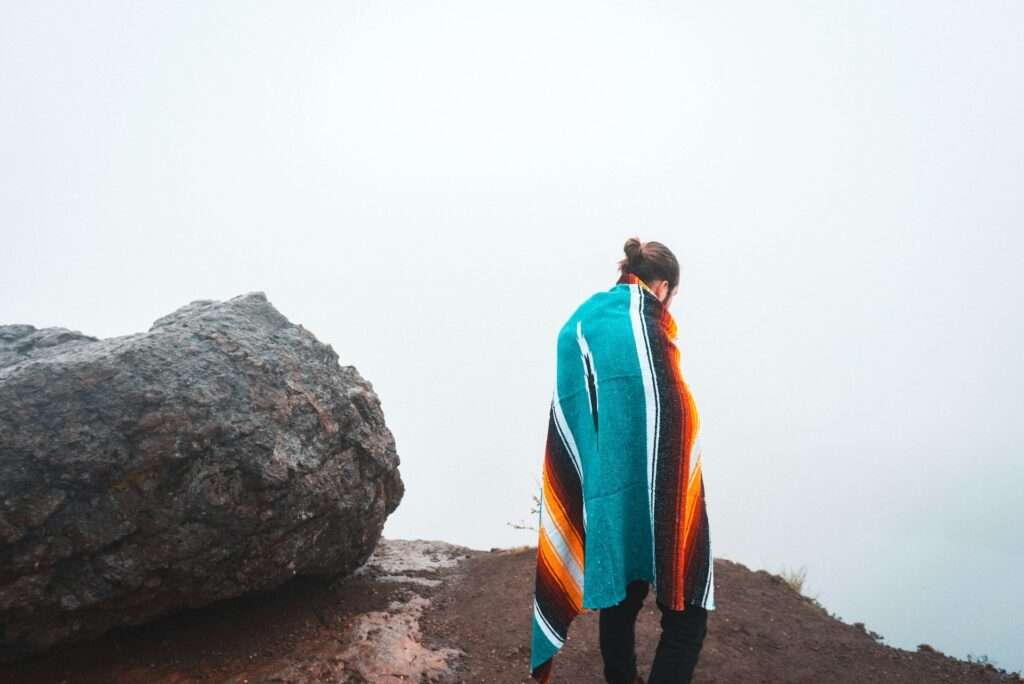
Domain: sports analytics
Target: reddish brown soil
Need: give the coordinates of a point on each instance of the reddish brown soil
(217, 643)
(762, 631)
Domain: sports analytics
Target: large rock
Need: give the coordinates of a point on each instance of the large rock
(223, 451)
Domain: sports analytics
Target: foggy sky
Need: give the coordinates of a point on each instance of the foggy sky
(432, 188)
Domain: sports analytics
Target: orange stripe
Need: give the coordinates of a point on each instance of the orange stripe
(560, 572)
(556, 509)
(692, 499)
(685, 501)
(557, 564)
(679, 556)
(691, 410)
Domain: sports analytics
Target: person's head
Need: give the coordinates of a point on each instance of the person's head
(653, 263)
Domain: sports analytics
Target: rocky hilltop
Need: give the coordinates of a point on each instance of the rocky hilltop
(222, 451)
(203, 503)
(428, 611)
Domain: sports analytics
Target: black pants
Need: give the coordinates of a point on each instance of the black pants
(682, 636)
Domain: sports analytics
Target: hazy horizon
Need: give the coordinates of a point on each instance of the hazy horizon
(433, 190)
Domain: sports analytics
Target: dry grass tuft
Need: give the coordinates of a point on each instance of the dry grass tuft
(795, 578)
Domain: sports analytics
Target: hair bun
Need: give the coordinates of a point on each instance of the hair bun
(633, 249)
(649, 261)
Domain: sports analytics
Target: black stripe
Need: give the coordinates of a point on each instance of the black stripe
(566, 480)
(592, 390)
(671, 420)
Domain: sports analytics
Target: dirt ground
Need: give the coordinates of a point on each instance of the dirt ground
(425, 611)
(761, 631)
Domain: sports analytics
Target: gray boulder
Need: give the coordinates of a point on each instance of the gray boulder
(223, 451)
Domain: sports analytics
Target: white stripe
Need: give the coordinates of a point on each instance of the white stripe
(570, 446)
(709, 590)
(643, 351)
(584, 356)
(561, 546)
(567, 440)
(695, 456)
(545, 628)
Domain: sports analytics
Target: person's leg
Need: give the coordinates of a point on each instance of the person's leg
(682, 636)
(617, 634)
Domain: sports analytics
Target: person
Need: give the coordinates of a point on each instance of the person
(622, 502)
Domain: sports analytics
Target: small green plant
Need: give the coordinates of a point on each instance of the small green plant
(874, 635)
(1004, 674)
(534, 511)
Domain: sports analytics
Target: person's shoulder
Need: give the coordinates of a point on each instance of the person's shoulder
(586, 306)
(614, 297)
(596, 307)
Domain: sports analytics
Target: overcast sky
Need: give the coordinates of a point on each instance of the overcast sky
(432, 188)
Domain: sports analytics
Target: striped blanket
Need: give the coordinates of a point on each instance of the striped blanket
(622, 495)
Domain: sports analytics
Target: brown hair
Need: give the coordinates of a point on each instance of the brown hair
(650, 261)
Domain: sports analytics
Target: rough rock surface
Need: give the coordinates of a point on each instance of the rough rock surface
(223, 451)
